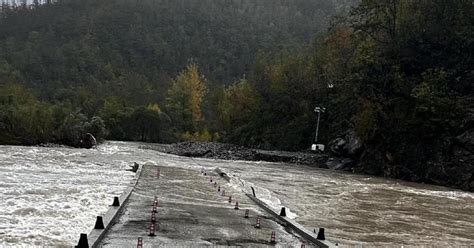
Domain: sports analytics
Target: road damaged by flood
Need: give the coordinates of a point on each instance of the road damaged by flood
(194, 208)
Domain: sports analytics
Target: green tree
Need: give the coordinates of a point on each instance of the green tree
(238, 104)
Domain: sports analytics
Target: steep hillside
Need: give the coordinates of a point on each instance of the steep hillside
(140, 45)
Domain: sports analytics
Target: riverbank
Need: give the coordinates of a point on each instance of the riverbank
(450, 177)
(68, 188)
(224, 151)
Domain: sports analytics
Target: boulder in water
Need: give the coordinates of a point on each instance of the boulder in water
(344, 164)
(88, 141)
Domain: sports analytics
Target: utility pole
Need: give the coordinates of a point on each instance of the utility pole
(318, 110)
(316, 146)
(320, 147)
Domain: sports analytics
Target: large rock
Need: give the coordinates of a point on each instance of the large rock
(336, 146)
(88, 141)
(345, 164)
(348, 145)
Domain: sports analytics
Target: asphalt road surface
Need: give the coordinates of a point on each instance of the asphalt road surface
(192, 213)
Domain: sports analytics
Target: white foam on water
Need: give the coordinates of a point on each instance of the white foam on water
(262, 194)
(57, 193)
(48, 196)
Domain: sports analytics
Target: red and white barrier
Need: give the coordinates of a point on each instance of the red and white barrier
(152, 230)
(140, 242)
(153, 217)
(273, 238)
(258, 223)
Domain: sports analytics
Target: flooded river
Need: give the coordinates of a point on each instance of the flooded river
(50, 195)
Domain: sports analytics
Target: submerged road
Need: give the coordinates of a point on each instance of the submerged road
(48, 196)
(192, 213)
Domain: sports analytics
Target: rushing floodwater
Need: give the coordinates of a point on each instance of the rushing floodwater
(50, 195)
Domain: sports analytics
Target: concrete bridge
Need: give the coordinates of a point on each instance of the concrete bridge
(174, 207)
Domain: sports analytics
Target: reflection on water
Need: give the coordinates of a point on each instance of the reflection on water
(49, 195)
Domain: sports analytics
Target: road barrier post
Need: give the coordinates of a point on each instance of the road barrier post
(116, 202)
(99, 223)
(283, 212)
(83, 243)
(321, 235)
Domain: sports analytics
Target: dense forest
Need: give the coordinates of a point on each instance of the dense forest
(117, 60)
(395, 75)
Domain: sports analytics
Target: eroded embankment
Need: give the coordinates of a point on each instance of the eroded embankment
(232, 152)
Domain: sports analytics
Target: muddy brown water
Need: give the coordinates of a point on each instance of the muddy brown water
(356, 210)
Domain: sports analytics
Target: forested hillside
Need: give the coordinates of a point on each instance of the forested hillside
(395, 77)
(113, 58)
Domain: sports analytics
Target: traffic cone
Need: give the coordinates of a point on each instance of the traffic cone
(155, 205)
(152, 230)
(140, 242)
(273, 238)
(153, 217)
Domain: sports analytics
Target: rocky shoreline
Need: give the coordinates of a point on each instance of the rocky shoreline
(342, 158)
(224, 151)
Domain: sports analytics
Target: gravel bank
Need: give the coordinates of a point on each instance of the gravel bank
(233, 152)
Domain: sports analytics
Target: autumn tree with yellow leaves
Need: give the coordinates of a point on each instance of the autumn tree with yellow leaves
(185, 99)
